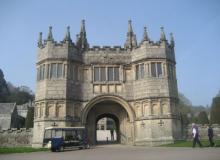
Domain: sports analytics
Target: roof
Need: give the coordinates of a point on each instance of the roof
(7, 108)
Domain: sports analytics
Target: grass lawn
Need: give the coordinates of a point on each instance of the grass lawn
(183, 143)
(4, 150)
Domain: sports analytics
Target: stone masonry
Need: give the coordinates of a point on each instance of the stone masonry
(16, 137)
(135, 85)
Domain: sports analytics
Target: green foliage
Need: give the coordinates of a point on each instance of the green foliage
(215, 111)
(202, 118)
(20, 97)
(20, 150)
(3, 88)
(11, 94)
(185, 109)
(29, 122)
(189, 113)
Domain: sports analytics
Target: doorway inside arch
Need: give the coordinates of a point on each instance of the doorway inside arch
(107, 129)
(123, 132)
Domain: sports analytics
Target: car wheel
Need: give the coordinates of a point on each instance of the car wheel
(53, 150)
(80, 148)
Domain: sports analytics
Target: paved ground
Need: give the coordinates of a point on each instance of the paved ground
(120, 152)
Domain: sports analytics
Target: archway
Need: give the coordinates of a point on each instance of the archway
(113, 107)
(107, 131)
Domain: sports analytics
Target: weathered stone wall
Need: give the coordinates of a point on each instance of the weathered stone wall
(16, 137)
(203, 131)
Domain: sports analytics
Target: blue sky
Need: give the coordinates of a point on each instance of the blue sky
(195, 24)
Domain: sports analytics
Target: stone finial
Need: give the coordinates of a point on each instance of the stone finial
(83, 28)
(50, 35)
(131, 41)
(145, 35)
(40, 41)
(68, 37)
(77, 38)
(162, 34)
(130, 30)
(172, 42)
(81, 39)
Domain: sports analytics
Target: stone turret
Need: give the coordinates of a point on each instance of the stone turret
(50, 35)
(162, 34)
(40, 42)
(145, 35)
(67, 36)
(82, 42)
(172, 42)
(131, 41)
(146, 38)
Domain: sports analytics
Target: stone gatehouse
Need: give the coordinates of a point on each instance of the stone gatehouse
(135, 85)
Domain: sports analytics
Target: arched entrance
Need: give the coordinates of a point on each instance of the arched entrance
(107, 133)
(113, 107)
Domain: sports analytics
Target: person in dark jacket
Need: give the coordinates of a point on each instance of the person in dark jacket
(210, 135)
(195, 134)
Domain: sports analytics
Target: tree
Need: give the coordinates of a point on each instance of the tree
(215, 111)
(30, 118)
(3, 88)
(185, 109)
(202, 118)
(20, 97)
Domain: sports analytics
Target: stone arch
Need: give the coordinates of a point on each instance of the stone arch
(102, 98)
(113, 117)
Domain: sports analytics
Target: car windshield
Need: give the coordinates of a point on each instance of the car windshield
(67, 134)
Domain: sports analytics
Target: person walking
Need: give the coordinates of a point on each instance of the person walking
(210, 135)
(195, 134)
(112, 134)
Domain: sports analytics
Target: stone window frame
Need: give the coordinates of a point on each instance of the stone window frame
(156, 69)
(44, 71)
(99, 80)
(140, 71)
(57, 74)
(41, 72)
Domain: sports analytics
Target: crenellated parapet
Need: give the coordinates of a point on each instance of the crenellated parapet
(82, 44)
(15, 130)
(16, 137)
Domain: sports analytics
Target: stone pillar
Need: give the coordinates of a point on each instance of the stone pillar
(150, 108)
(55, 109)
(164, 70)
(160, 106)
(45, 110)
(169, 107)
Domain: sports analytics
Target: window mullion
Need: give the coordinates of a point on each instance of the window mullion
(106, 73)
(99, 73)
(113, 73)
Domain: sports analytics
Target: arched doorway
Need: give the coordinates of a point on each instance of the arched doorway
(113, 107)
(107, 129)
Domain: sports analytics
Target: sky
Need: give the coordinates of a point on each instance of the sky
(194, 23)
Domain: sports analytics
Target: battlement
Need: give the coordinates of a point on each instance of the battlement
(15, 130)
(16, 137)
(82, 44)
(106, 48)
